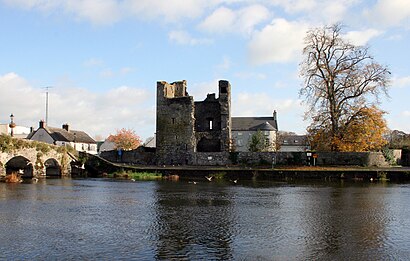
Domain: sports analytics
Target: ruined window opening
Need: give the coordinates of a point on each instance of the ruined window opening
(210, 123)
(224, 89)
(173, 120)
(176, 137)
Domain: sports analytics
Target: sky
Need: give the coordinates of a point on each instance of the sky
(101, 59)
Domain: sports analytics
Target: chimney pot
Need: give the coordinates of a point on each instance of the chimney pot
(66, 127)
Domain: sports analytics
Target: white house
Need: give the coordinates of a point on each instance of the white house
(244, 127)
(18, 131)
(79, 140)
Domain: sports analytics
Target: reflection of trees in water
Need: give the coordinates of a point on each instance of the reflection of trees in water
(193, 222)
(338, 222)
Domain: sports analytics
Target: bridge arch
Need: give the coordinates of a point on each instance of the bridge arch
(53, 168)
(21, 165)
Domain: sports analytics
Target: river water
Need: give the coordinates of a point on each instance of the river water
(96, 219)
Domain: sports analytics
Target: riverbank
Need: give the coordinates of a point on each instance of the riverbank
(274, 173)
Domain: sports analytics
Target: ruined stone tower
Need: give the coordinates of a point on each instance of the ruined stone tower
(175, 124)
(185, 127)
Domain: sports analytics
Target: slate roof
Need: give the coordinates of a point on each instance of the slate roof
(254, 123)
(59, 134)
(292, 140)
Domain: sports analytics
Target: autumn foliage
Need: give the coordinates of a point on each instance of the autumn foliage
(363, 131)
(125, 139)
(342, 86)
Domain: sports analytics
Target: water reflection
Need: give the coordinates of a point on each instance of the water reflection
(102, 219)
(194, 221)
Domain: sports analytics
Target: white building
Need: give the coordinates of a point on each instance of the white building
(244, 127)
(79, 140)
(18, 131)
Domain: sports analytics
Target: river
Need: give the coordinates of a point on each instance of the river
(102, 219)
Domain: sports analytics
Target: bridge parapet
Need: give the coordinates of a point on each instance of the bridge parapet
(31, 162)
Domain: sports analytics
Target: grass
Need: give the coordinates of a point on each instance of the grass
(135, 175)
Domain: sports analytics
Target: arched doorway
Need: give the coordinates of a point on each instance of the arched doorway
(20, 165)
(53, 169)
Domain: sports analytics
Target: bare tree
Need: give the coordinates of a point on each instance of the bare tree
(339, 79)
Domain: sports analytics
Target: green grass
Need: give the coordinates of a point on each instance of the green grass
(135, 175)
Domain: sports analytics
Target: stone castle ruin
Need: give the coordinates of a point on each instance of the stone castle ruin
(185, 126)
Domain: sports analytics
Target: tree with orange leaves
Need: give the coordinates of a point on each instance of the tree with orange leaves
(342, 82)
(363, 131)
(125, 139)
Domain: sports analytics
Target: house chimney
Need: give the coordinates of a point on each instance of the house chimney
(42, 124)
(65, 126)
(274, 115)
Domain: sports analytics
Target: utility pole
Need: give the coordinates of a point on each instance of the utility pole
(47, 88)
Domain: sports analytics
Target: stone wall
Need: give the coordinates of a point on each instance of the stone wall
(175, 136)
(211, 158)
(139, 156)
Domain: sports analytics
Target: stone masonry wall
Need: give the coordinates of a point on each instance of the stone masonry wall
(175, 124)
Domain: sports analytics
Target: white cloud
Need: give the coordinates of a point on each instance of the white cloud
(200, 90)
(95, 11)
(362, 37)
(401, 82)
(96, 113)
(263, 104)
(280, 41)
(103, 12)
(184, 38)
(170, 10)
(243, 20)
(389, 12)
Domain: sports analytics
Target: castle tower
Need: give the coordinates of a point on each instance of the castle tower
(226, 123)
(175, 124)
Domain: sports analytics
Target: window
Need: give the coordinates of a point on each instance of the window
(239, 142)
(239, 133)
(210, 123)
(173, 120)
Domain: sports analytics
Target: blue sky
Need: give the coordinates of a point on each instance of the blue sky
(104, 57)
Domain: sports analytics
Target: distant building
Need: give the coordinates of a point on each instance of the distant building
(244, 127)
(293, 143)
(79, 140)
(107, 146)
(18, 131)
(150, 142)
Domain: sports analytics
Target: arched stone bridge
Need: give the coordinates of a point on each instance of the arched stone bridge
(32, 163)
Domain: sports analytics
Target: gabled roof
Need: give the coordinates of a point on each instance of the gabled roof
(254, 123)
(59, 134)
